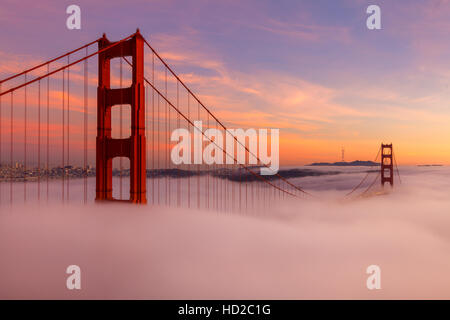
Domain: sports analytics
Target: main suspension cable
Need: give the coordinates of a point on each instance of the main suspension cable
(66, 66)
(48, 62)
(191, 123)
(362, 181)
(215, 118)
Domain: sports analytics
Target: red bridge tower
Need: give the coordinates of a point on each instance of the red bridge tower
(134, 146)
(387, 167)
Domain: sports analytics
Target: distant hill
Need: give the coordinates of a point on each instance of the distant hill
(346, 164)
(429, 165)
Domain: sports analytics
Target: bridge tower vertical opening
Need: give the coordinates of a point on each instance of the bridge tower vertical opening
(134, 146)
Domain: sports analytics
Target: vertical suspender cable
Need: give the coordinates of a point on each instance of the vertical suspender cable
(178, 126)
(167, 195)
(207, 169)
(216, 181)
(48, 132)
(39, 140)
(68, 125)
(279, 190)
(169, 163)
(252, 191)
(153, 130)
(240, 188)
(214, 170)
(25, 147)
(63, 135)
(224, 177)
(190, 153)
(158, 149)
(0, 139)
(233, 184)
(85, 129)
(396, 167)
(11, 152)
(198, 165)
(246, 182)
(213, 173)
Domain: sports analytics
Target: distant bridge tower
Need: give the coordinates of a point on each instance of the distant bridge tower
(343, 154)
(132, 147)
(387, 166)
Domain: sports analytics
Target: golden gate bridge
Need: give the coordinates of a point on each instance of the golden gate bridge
(45, 128)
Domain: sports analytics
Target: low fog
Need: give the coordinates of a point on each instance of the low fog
(297, 249)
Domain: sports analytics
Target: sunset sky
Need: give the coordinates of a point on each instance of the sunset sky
(310, 68)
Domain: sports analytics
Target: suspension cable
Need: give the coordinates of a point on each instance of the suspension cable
(48, 62)
(371, 185)
(212, 141)
(362, 181)
(67, 66)
(215, 118)
(243, 166)
(396, 167)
